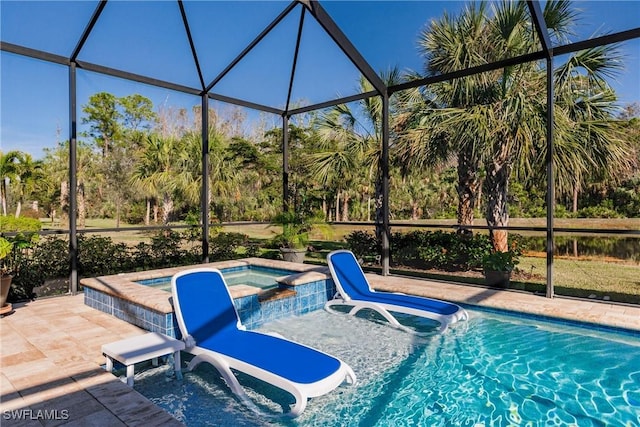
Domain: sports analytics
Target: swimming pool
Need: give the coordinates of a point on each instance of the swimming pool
(494, 369)
(260, 277)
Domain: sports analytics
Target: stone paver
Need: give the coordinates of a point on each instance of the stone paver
(50, 352)
(50, 359)
(600, 313)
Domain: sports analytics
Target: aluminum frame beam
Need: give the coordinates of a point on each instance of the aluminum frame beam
(619, 37)
(295, 59)
(345, 100)
(251, 45)
(541, 27)
(240, 102)
(204, 197)
(285, 163)
(185, 21)
(73, 181)
(325, 20)
(386, 231)
(550, 196)
(87, 30)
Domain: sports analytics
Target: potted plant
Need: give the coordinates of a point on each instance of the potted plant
(6, 247)
(497, 267)
(10, 249)
(294, 239)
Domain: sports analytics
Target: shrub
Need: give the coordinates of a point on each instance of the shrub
(451, 251)
(165, 250)
(501, 261)
(100, 256)
(225, 245)
(48, 259)
(363, 244)
(598, 212)
(134, 213)
(10, 223)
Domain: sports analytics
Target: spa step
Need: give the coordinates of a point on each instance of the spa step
(275, 294)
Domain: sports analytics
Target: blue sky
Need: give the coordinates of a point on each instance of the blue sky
(149, 39)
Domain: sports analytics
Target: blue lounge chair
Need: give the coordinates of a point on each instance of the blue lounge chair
(354, 290)
(212, 331)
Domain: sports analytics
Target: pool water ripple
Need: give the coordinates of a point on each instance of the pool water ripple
(494, 370)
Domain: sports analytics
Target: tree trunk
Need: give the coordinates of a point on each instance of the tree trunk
(497, 215)
(415, 208)
(3, 197)
(18, 208)
(324, 207)
(118, 203)
(64, 199)
(468, 185)
(379, 218)
(155, 213)
(345, 207)
(82, 206)
(167, 208)
(338, 206)
(147, 215)
(576, 191)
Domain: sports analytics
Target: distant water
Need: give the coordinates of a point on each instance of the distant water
(624, 248)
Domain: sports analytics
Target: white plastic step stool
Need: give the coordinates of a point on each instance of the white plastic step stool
(141, 348)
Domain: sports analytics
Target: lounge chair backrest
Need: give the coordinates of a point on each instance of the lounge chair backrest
(351, 281)
(203, 304)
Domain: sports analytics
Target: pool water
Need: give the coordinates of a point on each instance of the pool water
(493, 370)
(264, 278)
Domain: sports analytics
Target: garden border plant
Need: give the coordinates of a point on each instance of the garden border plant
(98, 255)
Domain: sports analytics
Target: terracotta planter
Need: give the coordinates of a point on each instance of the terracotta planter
(498, 279)
(293, 255)
(5, 282)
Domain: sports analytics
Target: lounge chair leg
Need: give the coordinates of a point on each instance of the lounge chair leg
(130, 369)
(109, 364)
(176, 364)
(350, 378)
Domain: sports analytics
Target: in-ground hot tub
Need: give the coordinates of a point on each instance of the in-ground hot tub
(254, 275)
(300, 289)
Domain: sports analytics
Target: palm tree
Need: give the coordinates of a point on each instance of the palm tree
(156, 171)
(7, 173)
(223, 170)
(448, 45)
(592, 146)
(340, 158)
(56, 169)
(352, 141)
(496, 120)
(27, 172)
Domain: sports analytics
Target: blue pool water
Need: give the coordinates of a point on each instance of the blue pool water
(493, 370)
(261, 277)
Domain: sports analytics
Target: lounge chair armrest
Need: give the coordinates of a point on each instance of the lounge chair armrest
(189, 342)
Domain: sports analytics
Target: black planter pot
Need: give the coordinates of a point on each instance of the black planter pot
(293, 255)
(498, 279)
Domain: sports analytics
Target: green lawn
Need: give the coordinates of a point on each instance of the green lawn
(576, 277)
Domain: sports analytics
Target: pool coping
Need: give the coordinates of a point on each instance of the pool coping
(600, 315)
